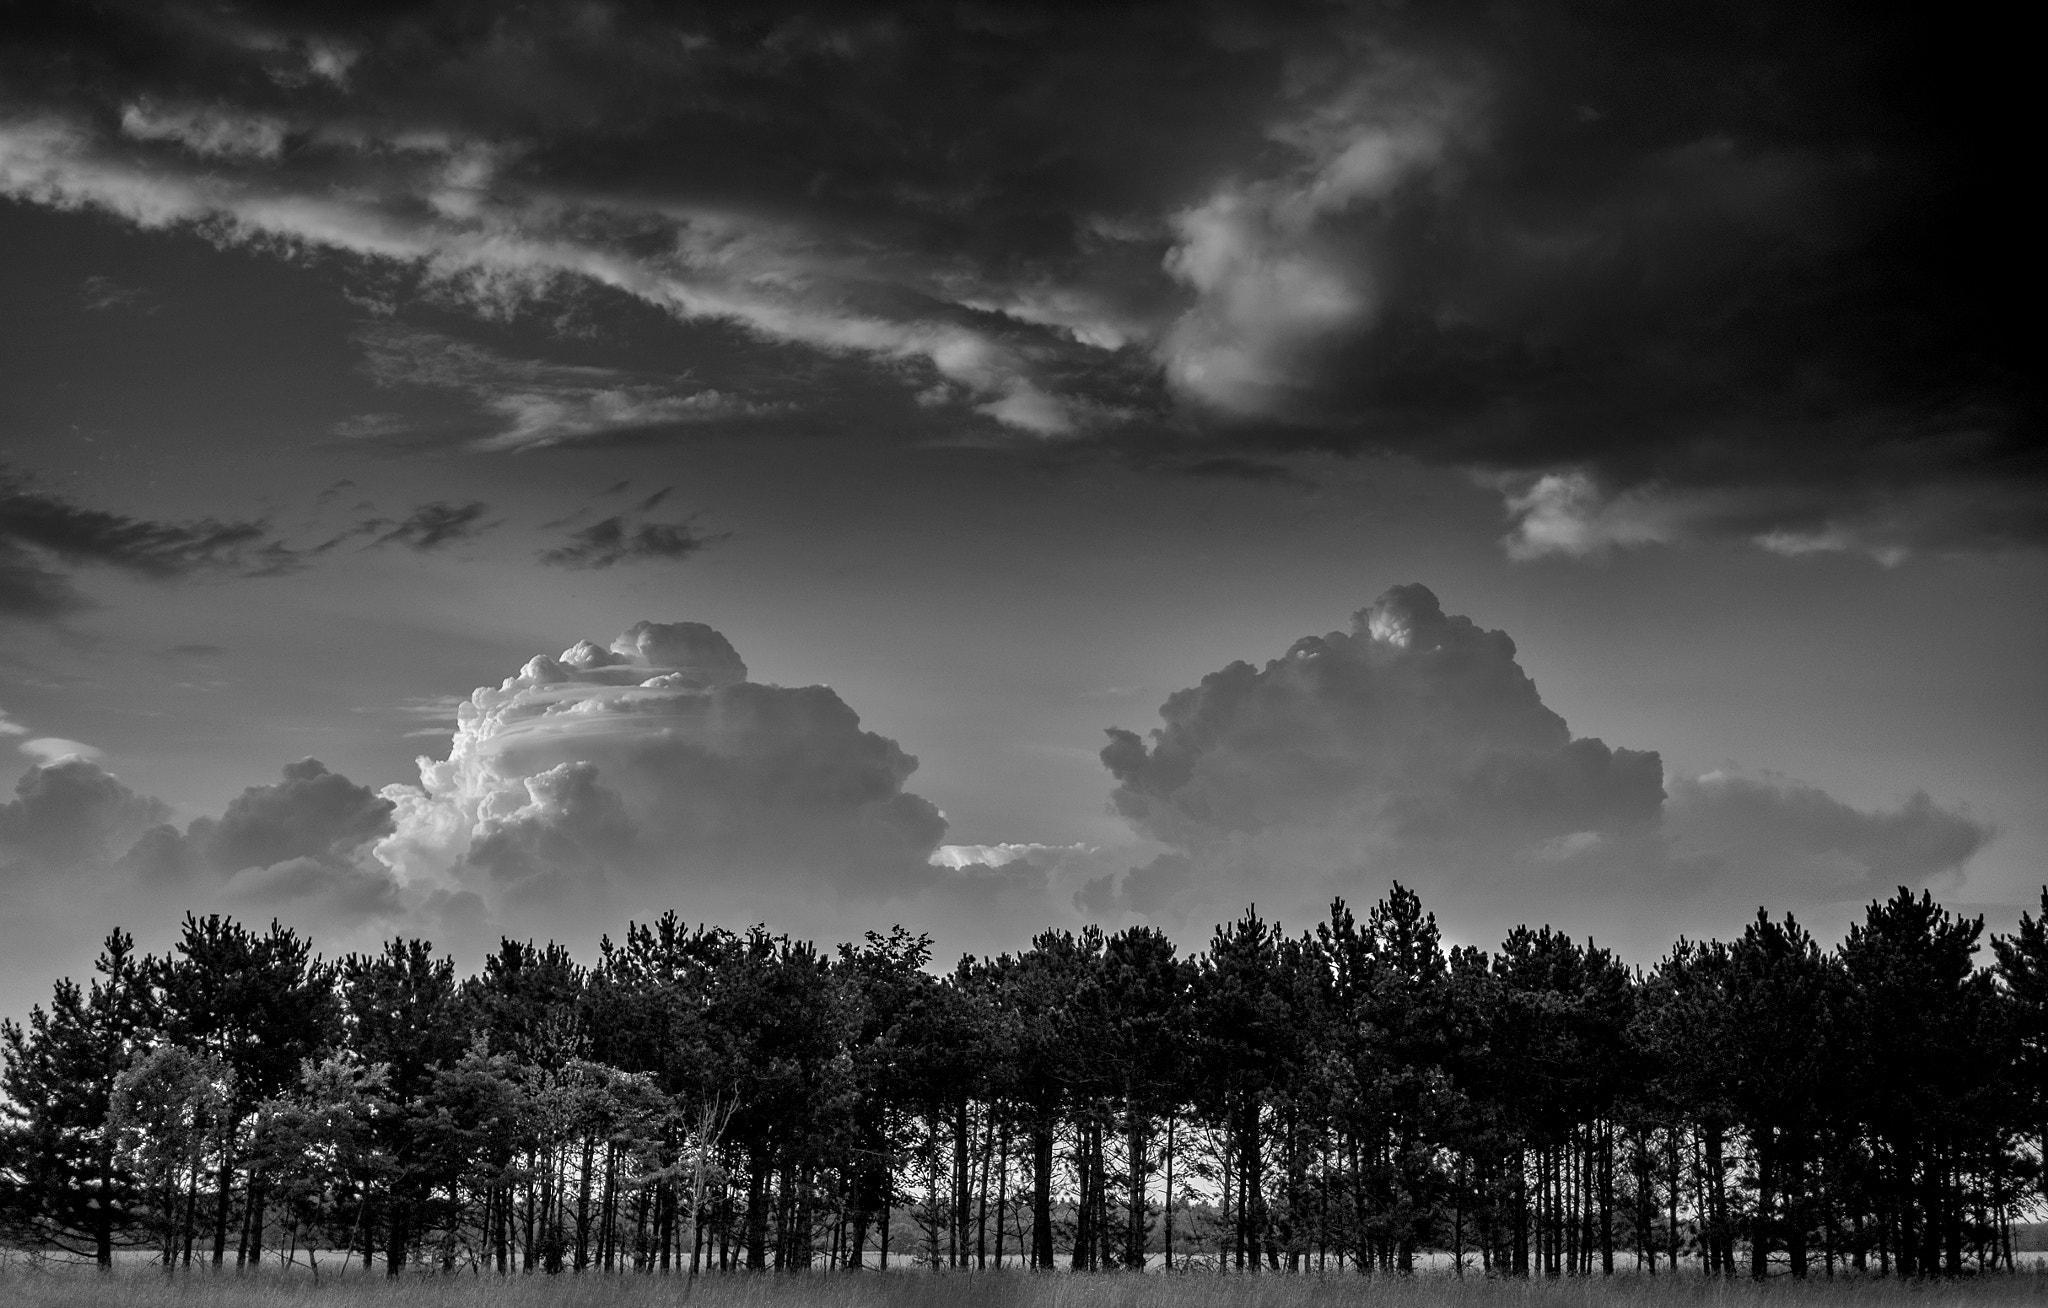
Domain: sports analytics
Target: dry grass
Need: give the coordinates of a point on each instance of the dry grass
(23, 1286)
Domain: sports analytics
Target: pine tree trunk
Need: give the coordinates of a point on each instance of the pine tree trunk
(1041, 1196)
(1166, 1213)
(757, 1211)
(1521, 1188)
(259, 1200)
(224, 1185)
(988, 1142)
(1793, 1184)
(1137, 1227)
(1002, 1186)
(1251, 1203)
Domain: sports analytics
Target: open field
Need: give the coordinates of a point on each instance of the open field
(23, 1286)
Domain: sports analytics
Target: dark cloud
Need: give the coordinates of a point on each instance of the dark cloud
(42, 535)
(1413, 746)
(620, 540)
(1733, 269)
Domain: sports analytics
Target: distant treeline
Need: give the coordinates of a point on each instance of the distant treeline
(1348, 1098)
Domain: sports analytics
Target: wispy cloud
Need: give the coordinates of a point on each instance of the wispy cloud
(43, 535)
(433, 525)
(205, 131)
(100, 293)
(536, 404)
(621, 540)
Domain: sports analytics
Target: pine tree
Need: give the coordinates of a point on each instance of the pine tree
(62, 1177)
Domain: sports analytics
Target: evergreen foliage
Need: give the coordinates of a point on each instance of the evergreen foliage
(1352, 1097)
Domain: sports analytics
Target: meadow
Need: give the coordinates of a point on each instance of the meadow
(26, 1285)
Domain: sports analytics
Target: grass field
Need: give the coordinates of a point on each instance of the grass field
(23, 1286)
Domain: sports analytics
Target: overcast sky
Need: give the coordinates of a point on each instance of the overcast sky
(994, 467)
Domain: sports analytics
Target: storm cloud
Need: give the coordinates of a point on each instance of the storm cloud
(1731, 271)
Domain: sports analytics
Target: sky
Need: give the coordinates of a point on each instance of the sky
(469, 471)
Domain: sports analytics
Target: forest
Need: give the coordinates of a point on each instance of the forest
(1356, 1098)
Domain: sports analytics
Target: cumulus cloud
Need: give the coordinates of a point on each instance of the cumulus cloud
(1412, 723)
(69, 814)
(299, 846)
(1413, 746)
(311, 813)
(81, 851)
(652, 773)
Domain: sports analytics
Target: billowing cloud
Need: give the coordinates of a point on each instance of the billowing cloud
(1653, 282)
(69, 815)
(81, 851)
(60, 837)
(311, 813)
(299, 846)
(651, 773)
(607, 783)
(1412, 723)
(1413, 746)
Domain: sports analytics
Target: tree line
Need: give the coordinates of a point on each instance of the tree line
(1356, 1097)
